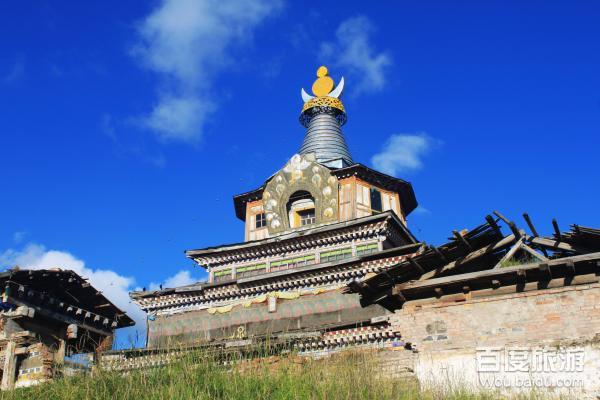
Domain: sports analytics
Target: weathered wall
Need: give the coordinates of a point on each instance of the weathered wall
(310, 312)
(459, 342)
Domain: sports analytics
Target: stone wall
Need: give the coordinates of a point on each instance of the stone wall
(306, 313)
(508, 342)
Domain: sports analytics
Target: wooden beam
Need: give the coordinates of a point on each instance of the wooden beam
(534, 253)
(60, 317)
(510, 224)
(545, 267)
(439, 253)
(557, 245)
(571, 266)
(416, 265)
(10, 366)
(530, 224)
(493, 273)
(510, 289)
(509, 254)
(462, 240)
(556, 229)
(533, 231)
(490, 220)
(469, 257)
(396, 292)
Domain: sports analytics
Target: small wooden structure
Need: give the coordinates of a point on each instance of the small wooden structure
(46, 315)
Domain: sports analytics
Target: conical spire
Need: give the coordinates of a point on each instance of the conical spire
(323, 117)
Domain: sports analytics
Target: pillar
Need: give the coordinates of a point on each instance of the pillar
(10, 366)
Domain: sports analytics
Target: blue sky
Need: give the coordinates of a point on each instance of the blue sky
(127, 128)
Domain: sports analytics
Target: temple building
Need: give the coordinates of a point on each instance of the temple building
(328, 264)
(320, 222)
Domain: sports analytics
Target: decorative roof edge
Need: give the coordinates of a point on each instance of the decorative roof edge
(304, 233)
(404, 188)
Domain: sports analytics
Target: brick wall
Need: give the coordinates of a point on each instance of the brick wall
(447, 335)
(524, 318)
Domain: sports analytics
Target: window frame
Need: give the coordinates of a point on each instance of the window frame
(307, 216)
(375, 196)
(222, 275)
(260, 218)
(250, 270)
(367, 248)
(336, 254)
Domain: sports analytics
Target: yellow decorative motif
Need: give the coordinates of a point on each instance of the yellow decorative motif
(263, 298)
(324, 92)
(324, 84)
(324, 102)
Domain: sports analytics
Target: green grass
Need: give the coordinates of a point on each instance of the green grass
(352, 376)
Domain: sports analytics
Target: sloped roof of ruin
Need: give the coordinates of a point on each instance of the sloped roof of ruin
(479, 259)
(61, 289)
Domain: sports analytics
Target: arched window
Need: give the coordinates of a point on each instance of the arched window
(301, 209)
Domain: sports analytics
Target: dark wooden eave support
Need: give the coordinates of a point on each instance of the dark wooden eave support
(530, 224)
(533, 231)
(416, 265)
(490, 220)
(510, 224)
(60, 317)
(439, 253)
(557, 233)
(545, 267)
(570, 266)
(462, 240)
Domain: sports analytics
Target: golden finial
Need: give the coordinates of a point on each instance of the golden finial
(324, 84)
(325, 96)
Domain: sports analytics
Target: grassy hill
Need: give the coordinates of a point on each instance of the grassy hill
(352, 376)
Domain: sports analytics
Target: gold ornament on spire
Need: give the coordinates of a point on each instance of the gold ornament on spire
(324, 84)
(324, 93)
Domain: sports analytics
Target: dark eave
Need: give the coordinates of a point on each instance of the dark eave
(390, 215)
(408, 200)
(199, 286)
(67, 286)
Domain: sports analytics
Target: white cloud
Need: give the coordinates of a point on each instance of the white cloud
(189, 42)
(354, 52)
(403, 153)
(420, 210)
(113, 286)
(181, 278)
(179, 118)
(19, 236)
